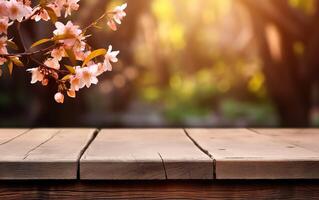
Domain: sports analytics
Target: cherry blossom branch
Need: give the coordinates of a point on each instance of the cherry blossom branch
(35, 11)
(21, 39)
(69, 43)
(45, 50)
(113, 18)
(95, 22)
(65, 72)
(30, 54)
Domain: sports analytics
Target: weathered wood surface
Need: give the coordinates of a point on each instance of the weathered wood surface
(166, 190)
(42, 153)
(305, 138)
(245, 154)
(8, 135)
(144, 154)
(158, 154)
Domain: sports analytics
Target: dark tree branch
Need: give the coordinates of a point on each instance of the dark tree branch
(293, 24)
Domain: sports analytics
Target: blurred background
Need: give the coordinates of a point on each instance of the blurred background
(186, 63)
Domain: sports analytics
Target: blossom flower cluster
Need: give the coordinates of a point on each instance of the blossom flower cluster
(69, 60)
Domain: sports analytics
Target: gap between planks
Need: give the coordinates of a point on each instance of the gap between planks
(35, 155)
(259, 154)
(187, 132)
(203, 150)
(96, 163)
(96, 132)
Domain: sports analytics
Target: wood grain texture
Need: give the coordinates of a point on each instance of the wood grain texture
(10, 134)
(164, 190)
(142, 154)
(305, 138)
(244, 154)
(43, 154)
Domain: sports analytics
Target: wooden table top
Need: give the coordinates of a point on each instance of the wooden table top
(158, 154)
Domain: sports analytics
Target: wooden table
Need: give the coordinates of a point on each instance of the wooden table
(159, 163)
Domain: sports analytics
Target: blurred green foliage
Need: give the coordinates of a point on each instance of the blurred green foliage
(207, 54)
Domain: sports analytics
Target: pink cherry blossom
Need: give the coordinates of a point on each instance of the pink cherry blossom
(70, 5)
(25, 2)
(3, 45)
(80, 55)
(119, 13)
(52, 63)
(112, 25)
(55, 8)
(76, 83)
(45, 82)
(60, 3)
(101, 68)
(85, 76)
(58, 53)
(59, 97)
(4, 8)
(4, 24)
(79, 51)
(36, 75)
(111, 56)
(70, 30)
(88, 75)
(41, 13)
(17, 10)
(71, 93)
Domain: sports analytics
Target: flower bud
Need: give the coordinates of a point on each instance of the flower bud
(59, 97)
(112, 25)
(71, 93)
(45, 82)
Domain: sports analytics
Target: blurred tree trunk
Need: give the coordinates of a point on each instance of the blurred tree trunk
(289, 77)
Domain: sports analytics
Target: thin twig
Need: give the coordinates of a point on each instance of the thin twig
(98, 20)
(29, 53)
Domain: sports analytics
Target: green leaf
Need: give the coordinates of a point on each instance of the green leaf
(52, 14)
(12, 45)
(70, 54)
(39, 42)
(66, 77)
(62, 37)
(17, 61)
(98, 27)
(70, 68)
(10, 67)
(94, 54)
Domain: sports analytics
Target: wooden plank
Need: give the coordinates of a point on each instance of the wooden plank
(244, 154)
(9, 134)
(126, 154)
(305, 138)
(164, 190)
(43, 154)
